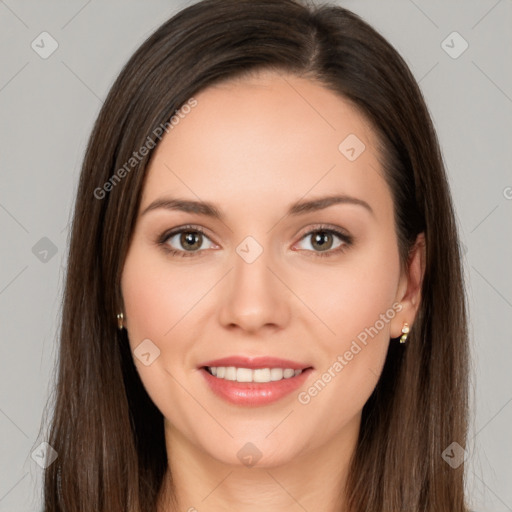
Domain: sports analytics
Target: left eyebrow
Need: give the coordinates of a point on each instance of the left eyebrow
(211, 210)
(321, 203)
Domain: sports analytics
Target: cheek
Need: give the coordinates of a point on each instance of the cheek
(355, 300)
(157, 303)
(155, 299)
(352, 296)
(357, 304)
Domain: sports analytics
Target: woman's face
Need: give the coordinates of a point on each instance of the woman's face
(267, 277)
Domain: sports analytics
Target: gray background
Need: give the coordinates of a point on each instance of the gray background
(48, 106)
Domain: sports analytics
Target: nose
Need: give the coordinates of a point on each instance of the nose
(254, 296)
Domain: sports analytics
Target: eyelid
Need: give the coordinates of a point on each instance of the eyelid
(178, 229)
(325, 227)
(166, 235)
(345, 237)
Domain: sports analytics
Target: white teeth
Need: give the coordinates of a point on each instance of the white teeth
(230, 373)
(263, 374)
(276, 374)
(243, 375)
(249, 375)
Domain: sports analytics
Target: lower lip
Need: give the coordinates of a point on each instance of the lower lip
(254, 394)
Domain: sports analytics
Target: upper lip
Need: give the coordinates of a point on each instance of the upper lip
(256, 362)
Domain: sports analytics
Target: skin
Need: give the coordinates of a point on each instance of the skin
(253, 147)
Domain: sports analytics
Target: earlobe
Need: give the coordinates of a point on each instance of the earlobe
(120, 321)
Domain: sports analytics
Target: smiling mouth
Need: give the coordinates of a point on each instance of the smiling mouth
(250, 375)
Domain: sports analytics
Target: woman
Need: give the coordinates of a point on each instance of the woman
(264, 304)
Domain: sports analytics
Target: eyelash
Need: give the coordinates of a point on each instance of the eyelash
(346, 239)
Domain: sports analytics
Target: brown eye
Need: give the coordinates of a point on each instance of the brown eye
(185, 241)
(323, 241)
(191, 240)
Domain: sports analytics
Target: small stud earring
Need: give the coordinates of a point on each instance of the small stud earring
(120, 318)
(405, 333)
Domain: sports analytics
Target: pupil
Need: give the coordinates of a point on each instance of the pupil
(320, 238)
(188, 239)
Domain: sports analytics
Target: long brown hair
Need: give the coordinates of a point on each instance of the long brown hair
(107, 432)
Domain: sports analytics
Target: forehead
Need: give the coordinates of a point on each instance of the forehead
(267, 140)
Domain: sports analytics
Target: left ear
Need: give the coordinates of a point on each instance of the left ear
(409, 287)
